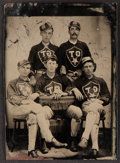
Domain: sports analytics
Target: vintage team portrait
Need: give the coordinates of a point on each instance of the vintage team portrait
(59, 74)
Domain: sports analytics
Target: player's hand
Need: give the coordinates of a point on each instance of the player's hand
(33, 96)
(57, 96)
(64, 94)
(58, 91)
(77, 94)
(63, 70)
(32, 81)
(25, 102)
(99, 101)
(78, 73)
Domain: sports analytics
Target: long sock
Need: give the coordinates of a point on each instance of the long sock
(90, 121)
(32, 134)
(44, 125)
(75, 126)
(94, 136)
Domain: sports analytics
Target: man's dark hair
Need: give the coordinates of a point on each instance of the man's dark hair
(94, 64)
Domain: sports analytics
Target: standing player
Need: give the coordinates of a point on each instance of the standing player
(53, 84)
(71, 53)
(44, 49)
(93, 94)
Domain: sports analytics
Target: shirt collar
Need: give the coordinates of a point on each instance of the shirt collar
(87, 78)
(47, 77)
(74, 43)
(20, 79)
(45, 44)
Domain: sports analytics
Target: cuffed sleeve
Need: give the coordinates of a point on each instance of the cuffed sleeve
(12, 96)
(105, 94)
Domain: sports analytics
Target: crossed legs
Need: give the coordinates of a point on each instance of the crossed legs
(92, 109)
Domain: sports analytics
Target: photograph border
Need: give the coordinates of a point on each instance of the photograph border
(116, 83)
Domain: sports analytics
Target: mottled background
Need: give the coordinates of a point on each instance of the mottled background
(23, 33)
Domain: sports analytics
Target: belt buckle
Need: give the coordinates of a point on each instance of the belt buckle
(75, 74)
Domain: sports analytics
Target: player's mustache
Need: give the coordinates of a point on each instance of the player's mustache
(74, 34)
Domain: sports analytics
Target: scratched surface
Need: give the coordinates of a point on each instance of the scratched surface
(23, 33)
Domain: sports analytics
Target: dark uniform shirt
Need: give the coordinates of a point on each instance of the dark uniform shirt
(70, 55)
(47, 85)
(39, 53)
(93, 88)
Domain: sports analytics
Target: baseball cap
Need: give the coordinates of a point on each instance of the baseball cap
(53, 57)
(45, 26)
(87, 59)
(23, 62)
(75, 24)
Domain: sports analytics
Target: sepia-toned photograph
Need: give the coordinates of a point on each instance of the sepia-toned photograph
(59, 76)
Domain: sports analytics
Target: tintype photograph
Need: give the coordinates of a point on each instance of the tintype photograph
(60, 66)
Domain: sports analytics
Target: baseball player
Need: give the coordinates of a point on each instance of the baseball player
(71, 53)
(93, 94)
(53, 84)
(44, 49)
(21, 95)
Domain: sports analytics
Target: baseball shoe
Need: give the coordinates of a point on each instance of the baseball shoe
(83, 143)
(33, 153)
(94, 153)
(73, 146)
(44, 148)
(57, 143)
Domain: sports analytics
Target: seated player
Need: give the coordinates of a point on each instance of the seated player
(93, 94)
(20, 95)
(53, 84)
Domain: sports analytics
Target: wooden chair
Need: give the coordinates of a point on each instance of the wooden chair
(17, 126)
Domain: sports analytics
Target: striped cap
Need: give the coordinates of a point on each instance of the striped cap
(87, 59)
(75, 24)
(23, 62)
(46, 26)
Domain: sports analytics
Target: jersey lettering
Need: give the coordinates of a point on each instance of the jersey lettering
(24, 89)
(78, 53)
(51, 87)
(71, 53)
(45, 53)
(91, 90)
(74, 56)
(49, 90)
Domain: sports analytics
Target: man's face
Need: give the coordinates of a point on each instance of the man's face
(88, 68)
(46, 35)
(51, 66)
(74, 32)
(24, 70)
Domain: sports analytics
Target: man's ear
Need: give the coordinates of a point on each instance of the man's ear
(56, 65)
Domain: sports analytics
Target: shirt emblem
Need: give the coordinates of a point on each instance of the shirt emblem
(52, 86)
(91, 90)
(24, 89)
(45, 53)
(74, 55)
